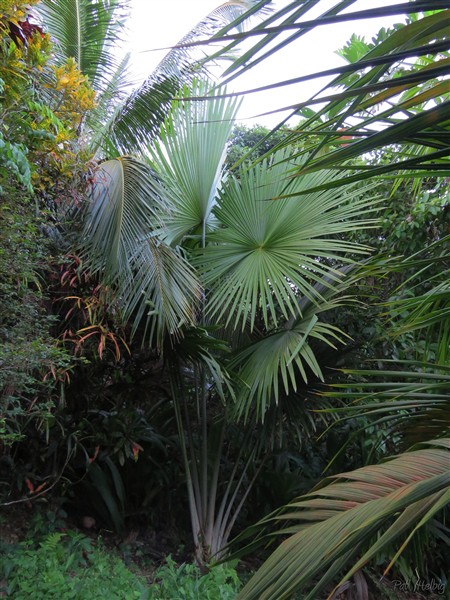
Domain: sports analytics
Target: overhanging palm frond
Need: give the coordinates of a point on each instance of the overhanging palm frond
(139, 118)
(88, 31)
(188, 156)
(268, 251)
(390, 103)
(390, 98)
(339, 520)
(155, 284)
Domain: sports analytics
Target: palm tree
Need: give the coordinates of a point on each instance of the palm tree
(261, 271)
(125, 122)
(192, 250)
(407, 109)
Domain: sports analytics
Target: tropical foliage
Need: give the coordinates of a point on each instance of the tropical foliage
(88, 31)
(258, 260)
(397, 404)
(385, 98)
(334, 522)
(41, 109)
(201, 298)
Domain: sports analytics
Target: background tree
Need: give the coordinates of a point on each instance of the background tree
(251, 143)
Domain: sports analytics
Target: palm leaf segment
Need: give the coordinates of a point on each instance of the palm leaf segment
(413, 399)
(156, 286)
(335, 522)
(188, 156)
(429, 309)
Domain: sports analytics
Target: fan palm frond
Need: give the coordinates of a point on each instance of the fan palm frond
(270, 251)
(155, 284)
(188, 156)
(275, 364)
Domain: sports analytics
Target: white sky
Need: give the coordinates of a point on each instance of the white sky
(154, 24)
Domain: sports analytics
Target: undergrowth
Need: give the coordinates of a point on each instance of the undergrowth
(69, 566)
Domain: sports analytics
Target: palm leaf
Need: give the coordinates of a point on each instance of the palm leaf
(428, 310)
(339, 519)
(138, 119)
(87, 31)
(188, 156)
(408, 399)
(268, 253)
(99, 119)
(381, 104)
(271, 367)
(155, 284)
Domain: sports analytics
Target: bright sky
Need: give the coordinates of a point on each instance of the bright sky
(161, 24)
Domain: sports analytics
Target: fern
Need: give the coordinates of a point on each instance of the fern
(51, 542)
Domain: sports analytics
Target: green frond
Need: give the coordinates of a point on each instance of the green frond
(408, 399)
(188, 156)
(275, 364)
(156, 286)
(268, 252)
(139, 118)
(377, 105)
(108, 101)
(87, 31)
(338, 520)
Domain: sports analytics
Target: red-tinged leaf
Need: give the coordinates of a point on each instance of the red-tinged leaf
(112, 337)
(101, 346)
(30, 486)
(97, 449)
(64, 276)
(136, 449)
(85, 337)
(335, 522)
(39, 488)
